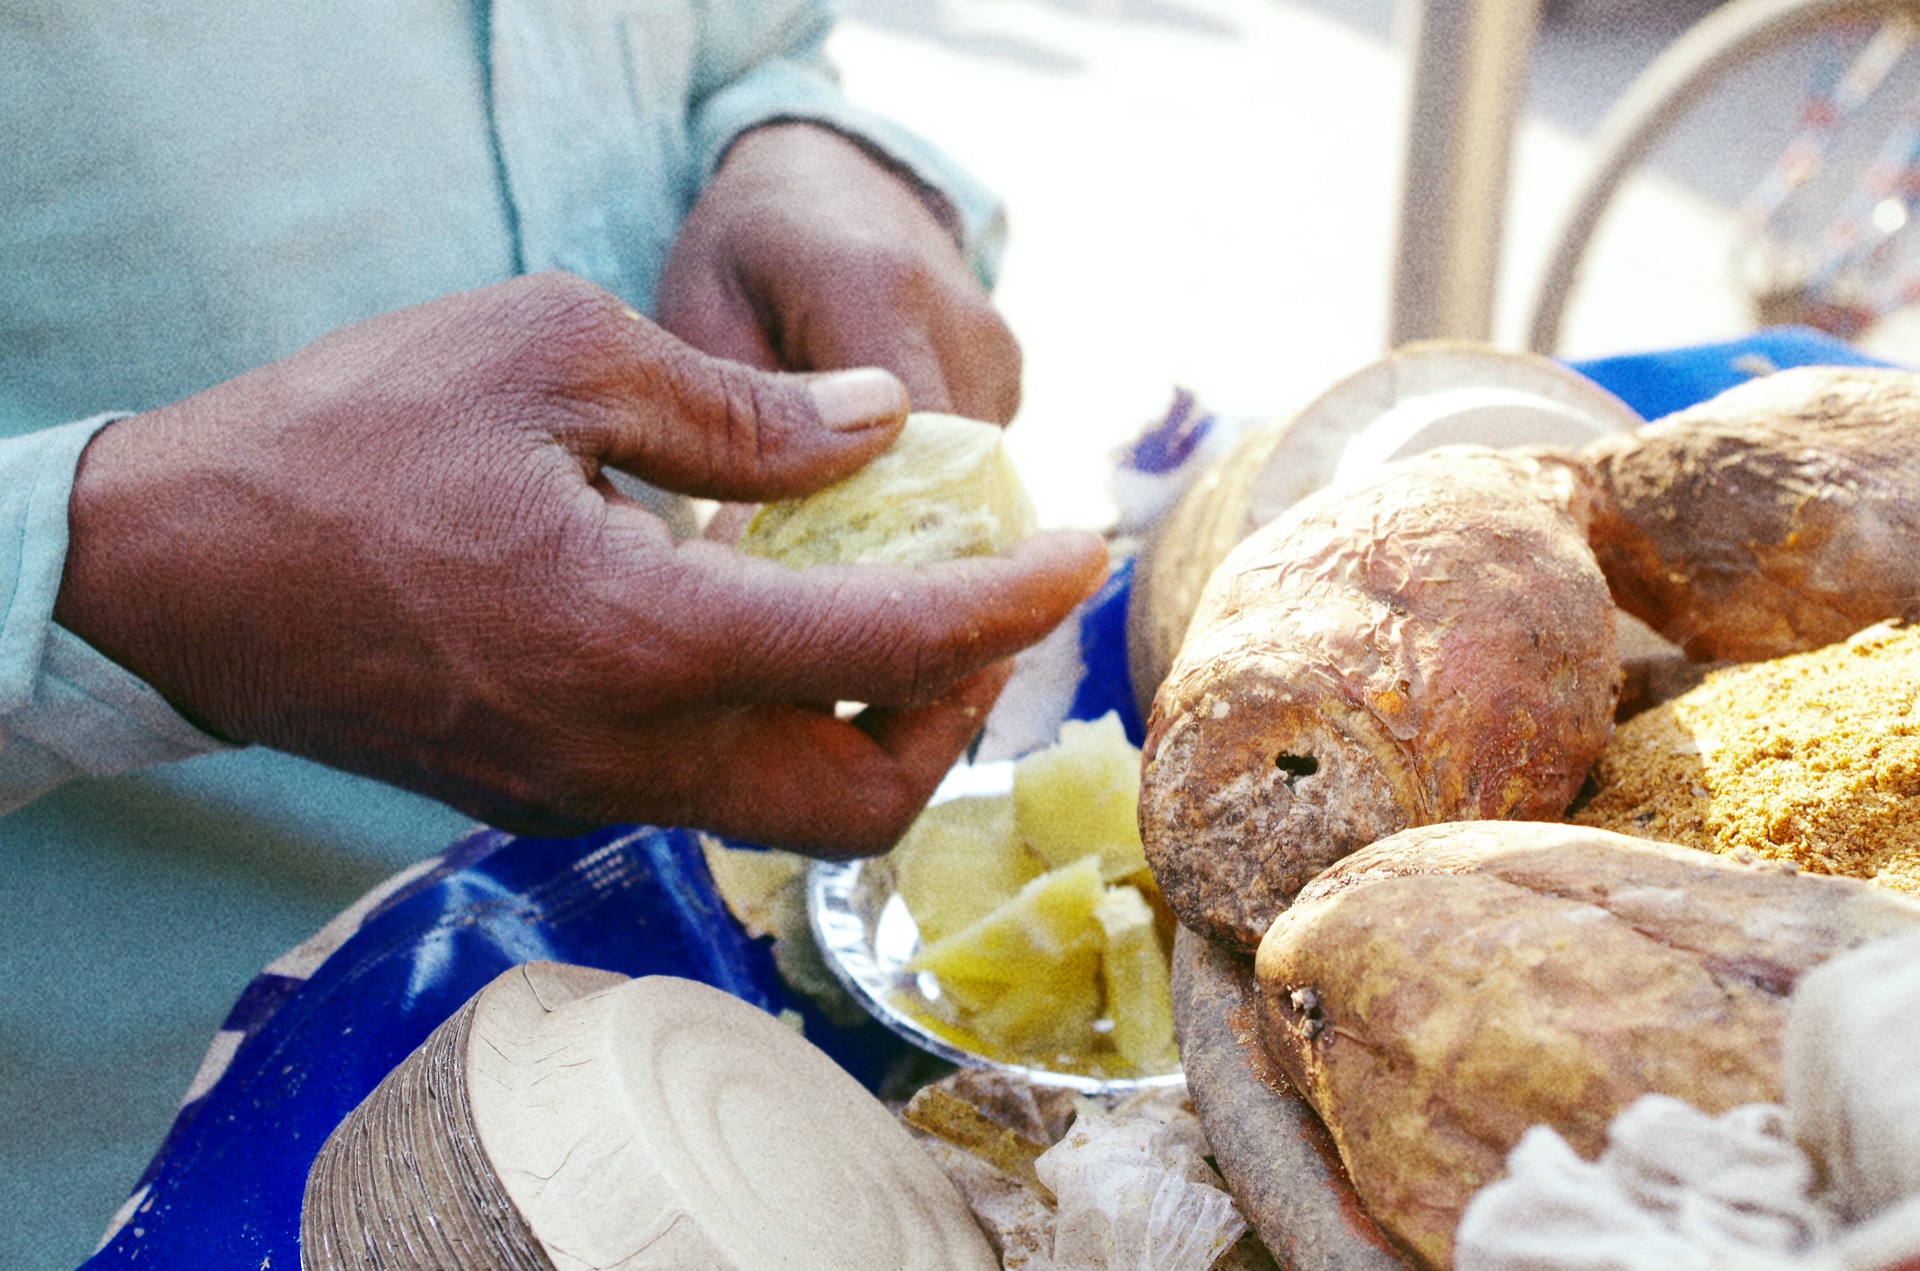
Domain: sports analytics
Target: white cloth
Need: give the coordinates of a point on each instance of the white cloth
(1853, 1073)
(1678, 1190)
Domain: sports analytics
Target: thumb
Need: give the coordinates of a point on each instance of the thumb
(714, 428)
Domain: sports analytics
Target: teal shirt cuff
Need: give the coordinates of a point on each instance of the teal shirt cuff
(65, 709)
(789, 89)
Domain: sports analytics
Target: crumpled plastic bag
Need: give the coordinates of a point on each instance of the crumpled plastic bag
(1678, 1190)
(1135, 1193)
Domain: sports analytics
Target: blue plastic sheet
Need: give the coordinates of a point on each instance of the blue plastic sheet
(304, 1045)
(1659, 383)
(225, 1189)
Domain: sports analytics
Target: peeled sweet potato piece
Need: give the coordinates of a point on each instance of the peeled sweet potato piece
(1436, 644)
(1439, 992)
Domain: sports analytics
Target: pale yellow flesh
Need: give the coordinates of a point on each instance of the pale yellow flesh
(1138, 981)
(1039, 920)
(946, 488)
(959, 861)
(1082, 795)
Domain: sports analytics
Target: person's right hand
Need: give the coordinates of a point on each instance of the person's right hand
(395, 551)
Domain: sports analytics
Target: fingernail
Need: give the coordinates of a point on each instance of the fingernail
(851, 401)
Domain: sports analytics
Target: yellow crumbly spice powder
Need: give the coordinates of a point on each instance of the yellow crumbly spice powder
(1812, 758)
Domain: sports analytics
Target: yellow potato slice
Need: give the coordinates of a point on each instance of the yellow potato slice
(1029, 962)
(1048, 1014)
(959, 861)
(1082, 795)
(1049, 920)
(1139, 989)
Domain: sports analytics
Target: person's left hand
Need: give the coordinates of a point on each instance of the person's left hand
(805, 253)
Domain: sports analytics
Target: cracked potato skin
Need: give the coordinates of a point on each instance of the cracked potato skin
(1435, 994)
(1434, 645)
(1780, 516)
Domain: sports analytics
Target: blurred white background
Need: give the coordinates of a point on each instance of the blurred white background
(1203, 193)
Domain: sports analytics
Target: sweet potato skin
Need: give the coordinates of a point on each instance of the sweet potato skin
(1439, 992)
(1778, 517)
(1191, 539)
(1435, 645)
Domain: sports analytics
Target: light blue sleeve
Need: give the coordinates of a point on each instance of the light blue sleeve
(799, 83)
(64, 708)
(611, 115)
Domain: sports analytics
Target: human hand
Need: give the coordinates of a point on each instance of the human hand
(806, 253)
(396, 551)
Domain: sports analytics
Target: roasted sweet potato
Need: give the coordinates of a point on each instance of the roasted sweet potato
(1780, 516)
(1436, 994)
(1421, 395)
(1434, 645)
(1267, 470)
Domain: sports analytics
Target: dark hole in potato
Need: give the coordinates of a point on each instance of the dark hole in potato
(1296, 766)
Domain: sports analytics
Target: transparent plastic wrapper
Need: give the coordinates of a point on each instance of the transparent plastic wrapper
(1135, 1193)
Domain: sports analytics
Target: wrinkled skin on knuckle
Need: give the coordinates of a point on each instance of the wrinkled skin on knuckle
(939, 662)
(923, 654)
(566, 339)
(829, 626)
(758, 416)
(724, 429)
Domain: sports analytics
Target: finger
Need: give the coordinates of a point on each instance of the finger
(943, 340)
(888, 635)
(943, 729)
(904, 348)
(806, 781)
(690, 422)
(980, 361)
(714, 314)
(983, 374)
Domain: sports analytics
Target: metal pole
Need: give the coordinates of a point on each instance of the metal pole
(1469, 77)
